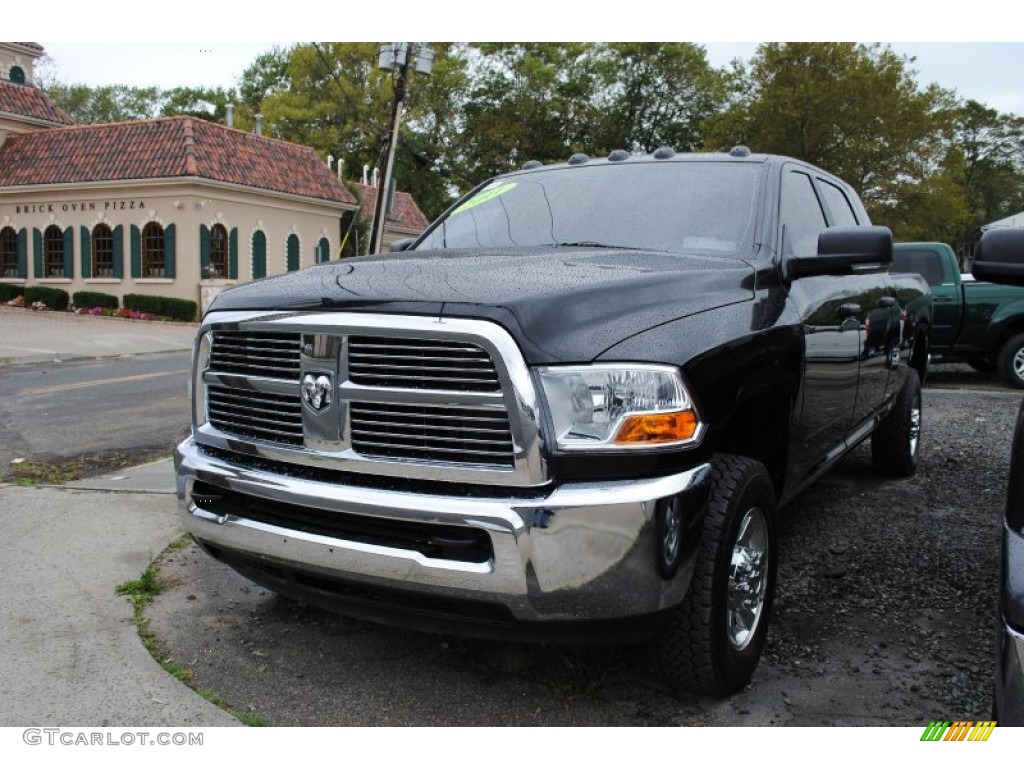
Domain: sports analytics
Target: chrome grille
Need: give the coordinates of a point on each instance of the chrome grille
(447, 365)
(262, 415)
(450, 434)
(269, 354)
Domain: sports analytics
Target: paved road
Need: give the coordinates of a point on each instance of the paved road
(136, 405)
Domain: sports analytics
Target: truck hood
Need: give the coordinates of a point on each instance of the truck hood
(564, 304)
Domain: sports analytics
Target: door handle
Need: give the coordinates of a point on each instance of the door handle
(942, 299)
(886, 301)
(849, 310)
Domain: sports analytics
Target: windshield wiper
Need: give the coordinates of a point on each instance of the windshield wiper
(590, 244)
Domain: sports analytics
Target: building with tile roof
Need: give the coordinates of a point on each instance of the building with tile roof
(403, 219)
(175, 206)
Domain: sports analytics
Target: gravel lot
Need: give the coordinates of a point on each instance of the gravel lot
(884, 616)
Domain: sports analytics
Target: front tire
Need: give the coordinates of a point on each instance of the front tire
(714, 641)
(895, 442)
(1011, 361)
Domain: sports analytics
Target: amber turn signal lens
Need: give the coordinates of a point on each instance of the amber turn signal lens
(657, 428)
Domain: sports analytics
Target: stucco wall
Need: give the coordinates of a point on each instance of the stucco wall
(187, 205)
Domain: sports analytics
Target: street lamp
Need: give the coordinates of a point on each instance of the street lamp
(395, 58)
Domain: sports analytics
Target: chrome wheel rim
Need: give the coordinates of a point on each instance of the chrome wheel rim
(1018, 364)
(748, 578)
(673, 532)
(915, 424)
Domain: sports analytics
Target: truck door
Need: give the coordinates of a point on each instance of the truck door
(830, 314)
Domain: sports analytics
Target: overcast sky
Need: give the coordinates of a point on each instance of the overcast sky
(992, 73)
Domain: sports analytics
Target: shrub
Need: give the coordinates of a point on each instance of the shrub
(54, 298)
(176, 309)
(10, 292)
(91, 299)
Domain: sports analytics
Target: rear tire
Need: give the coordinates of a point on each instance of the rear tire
(1011, 361)
(714, 641)
(896, 441)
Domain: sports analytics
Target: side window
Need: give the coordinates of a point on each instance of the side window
(927, 264)
(838, 204)
(153, 251)
(218, 251)
(800, 214)
(53, 252)
(8, 252)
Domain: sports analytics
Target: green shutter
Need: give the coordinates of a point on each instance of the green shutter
(325, 250)
(259, 255)
(23, 253)
(118, 239)
(69, 252)
(293, 252)
(136, 252)
(204, 251)
(233, 254)
(169, 246)
(37, 253)
(86, 251)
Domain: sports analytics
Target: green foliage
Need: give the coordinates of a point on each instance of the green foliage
(54, 298)
(165, 306)
(9, 292)
(143, 589)
(926, 163)
(853, 110)
(94, 299)
(105, 103)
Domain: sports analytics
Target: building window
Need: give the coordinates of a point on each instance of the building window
(218, 251)
(53, 252)
(102, 251)
(153, 252)
(292, 253)
(8, 252)
(17, 75)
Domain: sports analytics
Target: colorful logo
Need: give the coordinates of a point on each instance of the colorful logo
(961, 730)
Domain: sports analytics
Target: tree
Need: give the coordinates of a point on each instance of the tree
(985, 160)
(655, 94)
(851, 109)
(105, 104)
(528, 101)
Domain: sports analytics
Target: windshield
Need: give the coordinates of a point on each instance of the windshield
(664, 206)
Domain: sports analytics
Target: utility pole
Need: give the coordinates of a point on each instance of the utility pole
(395, 58)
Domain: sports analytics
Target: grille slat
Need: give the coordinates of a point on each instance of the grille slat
(413, 364)
(265, 354)
(264, 416)
(459, 435)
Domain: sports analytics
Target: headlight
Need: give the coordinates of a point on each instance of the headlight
(204, 345)
(612, 407)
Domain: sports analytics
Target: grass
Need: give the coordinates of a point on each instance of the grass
(142, 591)
(59, 471)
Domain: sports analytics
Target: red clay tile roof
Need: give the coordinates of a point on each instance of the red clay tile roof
(405, 213)
(28, 101)
(168, 147)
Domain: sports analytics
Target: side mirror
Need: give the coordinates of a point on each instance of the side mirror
(401, 245)
(842, 248)
(1000, 256)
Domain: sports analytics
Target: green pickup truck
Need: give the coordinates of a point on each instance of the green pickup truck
(979, 323)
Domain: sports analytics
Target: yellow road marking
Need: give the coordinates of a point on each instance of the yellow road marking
(97, 383)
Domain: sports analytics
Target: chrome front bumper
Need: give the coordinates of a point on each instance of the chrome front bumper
(586, 551)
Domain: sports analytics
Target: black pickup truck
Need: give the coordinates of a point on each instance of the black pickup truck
(568, 411)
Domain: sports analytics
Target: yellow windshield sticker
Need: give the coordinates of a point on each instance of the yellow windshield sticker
(484, 196)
